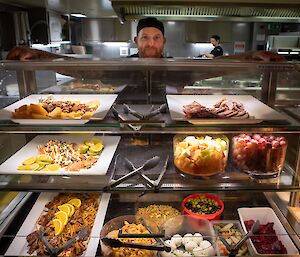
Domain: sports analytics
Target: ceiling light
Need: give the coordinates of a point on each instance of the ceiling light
(115, 43)
(78, 15)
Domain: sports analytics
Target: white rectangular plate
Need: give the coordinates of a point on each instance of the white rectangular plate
(110, 143)
(265, 215)
(106, 102)
(257, 110)
(18, 247)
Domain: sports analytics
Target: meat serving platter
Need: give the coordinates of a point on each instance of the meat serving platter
(19, 245)
(258, 111)
(105, 100)
(100, 167)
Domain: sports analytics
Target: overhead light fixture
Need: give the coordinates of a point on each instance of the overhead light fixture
(78, 15)
(115, 43)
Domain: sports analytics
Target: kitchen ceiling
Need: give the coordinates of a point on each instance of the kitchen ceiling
(233, 10)
(91, 8)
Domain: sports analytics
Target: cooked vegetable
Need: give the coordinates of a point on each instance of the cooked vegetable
(232, 235)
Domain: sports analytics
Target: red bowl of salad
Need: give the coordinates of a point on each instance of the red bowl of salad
(203, 206)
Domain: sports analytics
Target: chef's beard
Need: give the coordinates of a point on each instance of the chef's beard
(151, 52)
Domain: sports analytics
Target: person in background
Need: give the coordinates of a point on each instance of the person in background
(150, 42)
(217, 51)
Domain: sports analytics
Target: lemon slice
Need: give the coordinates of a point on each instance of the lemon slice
(65, 208)
(58, 226)
(24, 167)
(83, 148)
(52, 167)
(92, 142)
(44, 158)
(72, 209)
(75, 202)
(97, 147)
(62, 216)
(29, 161)
(88, 142)
(41, 165)
(96, 141)
(92, 153)
(34, 166)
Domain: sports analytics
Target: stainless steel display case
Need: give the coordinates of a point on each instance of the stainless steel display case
(147, 82)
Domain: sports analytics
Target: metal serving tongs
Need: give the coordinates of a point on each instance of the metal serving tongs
(54, 252)
(119, 117)
(151, 113)
(234, 250)
(157, 247)
(149, 182)
(149, 164)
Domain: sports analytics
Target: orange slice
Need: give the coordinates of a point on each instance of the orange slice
(66, 209)
(58, 226)
(62, 216)
(72, 209)
(75, 202)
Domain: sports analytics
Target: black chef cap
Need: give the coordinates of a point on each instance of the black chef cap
(150, 22)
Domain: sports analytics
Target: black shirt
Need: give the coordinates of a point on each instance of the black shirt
(137, 55)
(133, 55)
(217, 51)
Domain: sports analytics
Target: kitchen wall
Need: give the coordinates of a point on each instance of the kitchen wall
(179, 43)
(7, 34)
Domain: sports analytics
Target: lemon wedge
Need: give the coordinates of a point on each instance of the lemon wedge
(58, 226)
(96, 141)
(88, 142)
(92, 142)
(29, 161)
(44, 158)
(75, 202)
(83, 148)
(41, 165)
(24, 167)
(34, 166)
(52, 167)
(62, 216)
(92, 153)
(97, 147)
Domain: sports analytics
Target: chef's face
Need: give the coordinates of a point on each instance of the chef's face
(214, 42)
(150, 42)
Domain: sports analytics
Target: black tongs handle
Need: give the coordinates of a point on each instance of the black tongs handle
(112, 242)
(56, 251)
(52, 251)
(121, 235)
